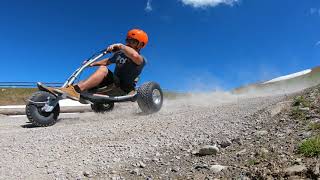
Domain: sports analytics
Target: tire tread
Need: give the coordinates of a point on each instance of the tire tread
(29, 113)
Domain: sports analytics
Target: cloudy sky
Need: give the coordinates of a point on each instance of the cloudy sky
(194, 44)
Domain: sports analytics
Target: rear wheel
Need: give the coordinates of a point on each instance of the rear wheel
(102, 107)
(150, 97)
(36, 115)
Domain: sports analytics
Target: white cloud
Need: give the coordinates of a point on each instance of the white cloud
(148, 7)
(208, 3)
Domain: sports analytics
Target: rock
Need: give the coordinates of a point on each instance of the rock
(217, 168)
(298, 161)
(208, 150)
(50, 171)
(113, 172)
(202, 166)
(294, 177)
(194, 152)
(306, 134)
(261, 152)
(273, 148)
(316, 170)
(289, 131)
(242, 152)
(116, 178)
(261, 133)
(225, 143)
(282, 120)
(141, 164)
(244, 177)
(315, 120)
(280, 135)
(264, 151)
(237, 140)
(304, 109)
(177, 157)
(135, 171)
(87, 174)
(155, 159)
(296, 169)
(175, 169)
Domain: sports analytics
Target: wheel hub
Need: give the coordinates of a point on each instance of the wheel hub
(156, 96)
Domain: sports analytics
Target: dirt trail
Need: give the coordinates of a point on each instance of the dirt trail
(96, 145)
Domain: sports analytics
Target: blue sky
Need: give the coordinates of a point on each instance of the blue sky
(194, 44)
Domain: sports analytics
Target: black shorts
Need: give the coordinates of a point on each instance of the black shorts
(113, 79)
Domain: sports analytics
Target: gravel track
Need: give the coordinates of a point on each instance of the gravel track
(95, 145)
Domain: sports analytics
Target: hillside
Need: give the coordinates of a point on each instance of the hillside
(283, 84)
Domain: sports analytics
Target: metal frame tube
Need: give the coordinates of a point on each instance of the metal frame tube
(76, 73)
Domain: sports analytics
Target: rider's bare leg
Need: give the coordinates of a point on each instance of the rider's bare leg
(94, 80)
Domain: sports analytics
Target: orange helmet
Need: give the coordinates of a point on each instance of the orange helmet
(139, 35)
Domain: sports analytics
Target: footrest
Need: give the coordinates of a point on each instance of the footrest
(43, 87)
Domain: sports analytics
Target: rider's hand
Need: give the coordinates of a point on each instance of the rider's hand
(115, 47)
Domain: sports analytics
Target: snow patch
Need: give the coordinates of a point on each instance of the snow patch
(12, 106)
(69, 102)
(62, 103)
(290, 76)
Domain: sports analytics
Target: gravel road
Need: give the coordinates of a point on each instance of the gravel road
(89, 145)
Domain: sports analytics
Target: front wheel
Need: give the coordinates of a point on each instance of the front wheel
(36, 115)
(150, 97)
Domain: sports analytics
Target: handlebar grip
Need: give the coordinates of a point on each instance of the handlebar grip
(115, 49)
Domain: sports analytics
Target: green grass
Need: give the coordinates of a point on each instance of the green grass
(253, 162)
(301, 101)
(310, 147)
(314, 126)
(298, 114)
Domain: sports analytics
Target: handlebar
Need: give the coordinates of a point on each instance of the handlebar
(103, 52)
(99, 54)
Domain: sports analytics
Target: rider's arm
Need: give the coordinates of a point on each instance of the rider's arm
(132, 54)
(103, 62)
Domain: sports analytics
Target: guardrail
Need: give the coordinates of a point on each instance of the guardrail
(52, 84)
(27, 84)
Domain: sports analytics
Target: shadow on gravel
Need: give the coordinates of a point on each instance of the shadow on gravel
(71, 120)
(29, 125)
(140, 114)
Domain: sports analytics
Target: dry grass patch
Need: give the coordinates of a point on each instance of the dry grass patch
(15, 96)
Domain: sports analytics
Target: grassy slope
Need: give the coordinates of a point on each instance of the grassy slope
(18, 96)
(15, 96)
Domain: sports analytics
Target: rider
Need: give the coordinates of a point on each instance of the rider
(129, 64)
